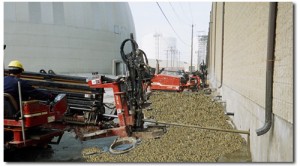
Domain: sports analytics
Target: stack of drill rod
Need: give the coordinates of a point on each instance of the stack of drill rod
(79, 95)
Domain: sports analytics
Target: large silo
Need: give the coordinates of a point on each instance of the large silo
(67, 37)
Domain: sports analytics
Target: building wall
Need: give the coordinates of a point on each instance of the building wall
(67, 37)
(284, 60)
(217, 43)
(244, 73)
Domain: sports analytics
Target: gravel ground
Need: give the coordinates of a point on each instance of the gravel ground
(182, 144)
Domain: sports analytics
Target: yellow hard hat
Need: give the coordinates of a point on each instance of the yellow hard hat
(15, 64)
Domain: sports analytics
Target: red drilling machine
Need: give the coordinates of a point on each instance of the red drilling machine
(79, 105)
(174, 79)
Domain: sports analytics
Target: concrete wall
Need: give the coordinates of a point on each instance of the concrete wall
(67, 37)
(244, 73)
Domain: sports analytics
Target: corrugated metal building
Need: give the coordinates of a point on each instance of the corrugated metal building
(240, 39)
(67, 37)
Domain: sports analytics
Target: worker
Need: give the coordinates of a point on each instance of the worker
(15, 69)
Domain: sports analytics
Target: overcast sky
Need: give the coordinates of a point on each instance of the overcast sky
(148, 18)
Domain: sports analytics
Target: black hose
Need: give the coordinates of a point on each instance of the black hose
(145, 56)
(123, 55)
(137, 65)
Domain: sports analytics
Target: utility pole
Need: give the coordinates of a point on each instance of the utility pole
(178, 58)
(156, 36)
(192, 49)
(167, 57)
(171, 50)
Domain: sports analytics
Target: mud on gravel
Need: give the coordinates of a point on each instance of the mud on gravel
(182, 144)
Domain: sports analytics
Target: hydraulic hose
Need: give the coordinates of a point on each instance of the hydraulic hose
(123, 55)
(135, 62)
(144, 54)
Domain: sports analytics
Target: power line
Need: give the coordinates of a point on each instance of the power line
(178, 16)
(171, 24)
(181, 6)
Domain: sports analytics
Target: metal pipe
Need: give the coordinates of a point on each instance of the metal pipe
(74, 95)
(82, 102)
(51, 76)
(80, 108)
(21, 111)
(191, 69)
(195, 126)
(269, 70)
(109, 115)
(215, 36)
(222, 52)
(157, 67)
(230, 113)
(58, 78)
(47, 83)
(208, 48)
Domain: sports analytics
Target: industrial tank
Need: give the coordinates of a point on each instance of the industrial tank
(67, 37)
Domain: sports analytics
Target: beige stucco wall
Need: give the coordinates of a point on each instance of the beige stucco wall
(244, 73)
(283, 73)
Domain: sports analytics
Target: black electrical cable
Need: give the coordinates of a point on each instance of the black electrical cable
(177, 15)
(171, 25)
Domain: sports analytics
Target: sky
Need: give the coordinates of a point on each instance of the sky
(148, 18)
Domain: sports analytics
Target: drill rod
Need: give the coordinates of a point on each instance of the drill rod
(195, 126)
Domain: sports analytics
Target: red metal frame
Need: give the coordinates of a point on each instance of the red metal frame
(166, 82)
(173, 83)
(39, 140)
(125, 119)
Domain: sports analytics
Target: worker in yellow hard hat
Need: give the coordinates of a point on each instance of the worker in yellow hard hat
(15, 69)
